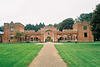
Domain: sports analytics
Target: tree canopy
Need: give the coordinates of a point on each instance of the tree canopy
(66, 24)
(2, 28)
(84, 17)
(50, 25)
(34, 27)
(56, 26)
(18, 35)
(95, 23)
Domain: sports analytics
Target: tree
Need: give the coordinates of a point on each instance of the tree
(66, 24)
(95, 23)
(56, 25)
(34, 27)
(29, 27)
(2, 28)
(50, 25)
(41, 25)
(84, 17)
(18, 35)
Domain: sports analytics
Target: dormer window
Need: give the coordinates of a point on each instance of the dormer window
(11, 29)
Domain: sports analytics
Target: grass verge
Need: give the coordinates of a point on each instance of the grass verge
(80, 55)
(18, 54)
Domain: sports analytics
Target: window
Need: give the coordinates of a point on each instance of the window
(85, 34)
(11, 29)
(48, 33)
(85, 27)
(11, 36)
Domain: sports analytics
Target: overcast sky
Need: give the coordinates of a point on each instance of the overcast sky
(47, 11)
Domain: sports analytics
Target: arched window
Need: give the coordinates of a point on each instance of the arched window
(48, 33)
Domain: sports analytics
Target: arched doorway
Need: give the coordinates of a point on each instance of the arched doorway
(65, 38)
(36, 39)
(31, 39)
(59, 39)
(48, 36)
(27, 38)
(48, 39)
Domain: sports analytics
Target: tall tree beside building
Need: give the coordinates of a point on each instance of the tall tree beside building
(84, 17)
(66, 24)
(56, 26)
(18, 35)
(95, 23)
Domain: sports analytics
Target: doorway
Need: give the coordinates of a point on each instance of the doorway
(48, 39)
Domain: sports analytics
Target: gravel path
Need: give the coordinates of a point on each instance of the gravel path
(48, 57)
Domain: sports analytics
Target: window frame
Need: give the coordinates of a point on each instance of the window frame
(48, 33)
(85, 27)
(85, 35)
(11, 29)
(11, 36)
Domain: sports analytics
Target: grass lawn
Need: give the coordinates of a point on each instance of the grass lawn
(84, 42)
(80, 55)
(18, 54)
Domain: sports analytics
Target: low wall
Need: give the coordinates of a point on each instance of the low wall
(67, 40)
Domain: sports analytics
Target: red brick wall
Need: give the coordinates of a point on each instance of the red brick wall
(81, 32)
(76, 31)
(18, 27)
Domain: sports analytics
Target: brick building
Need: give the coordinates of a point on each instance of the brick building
(81, 32)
